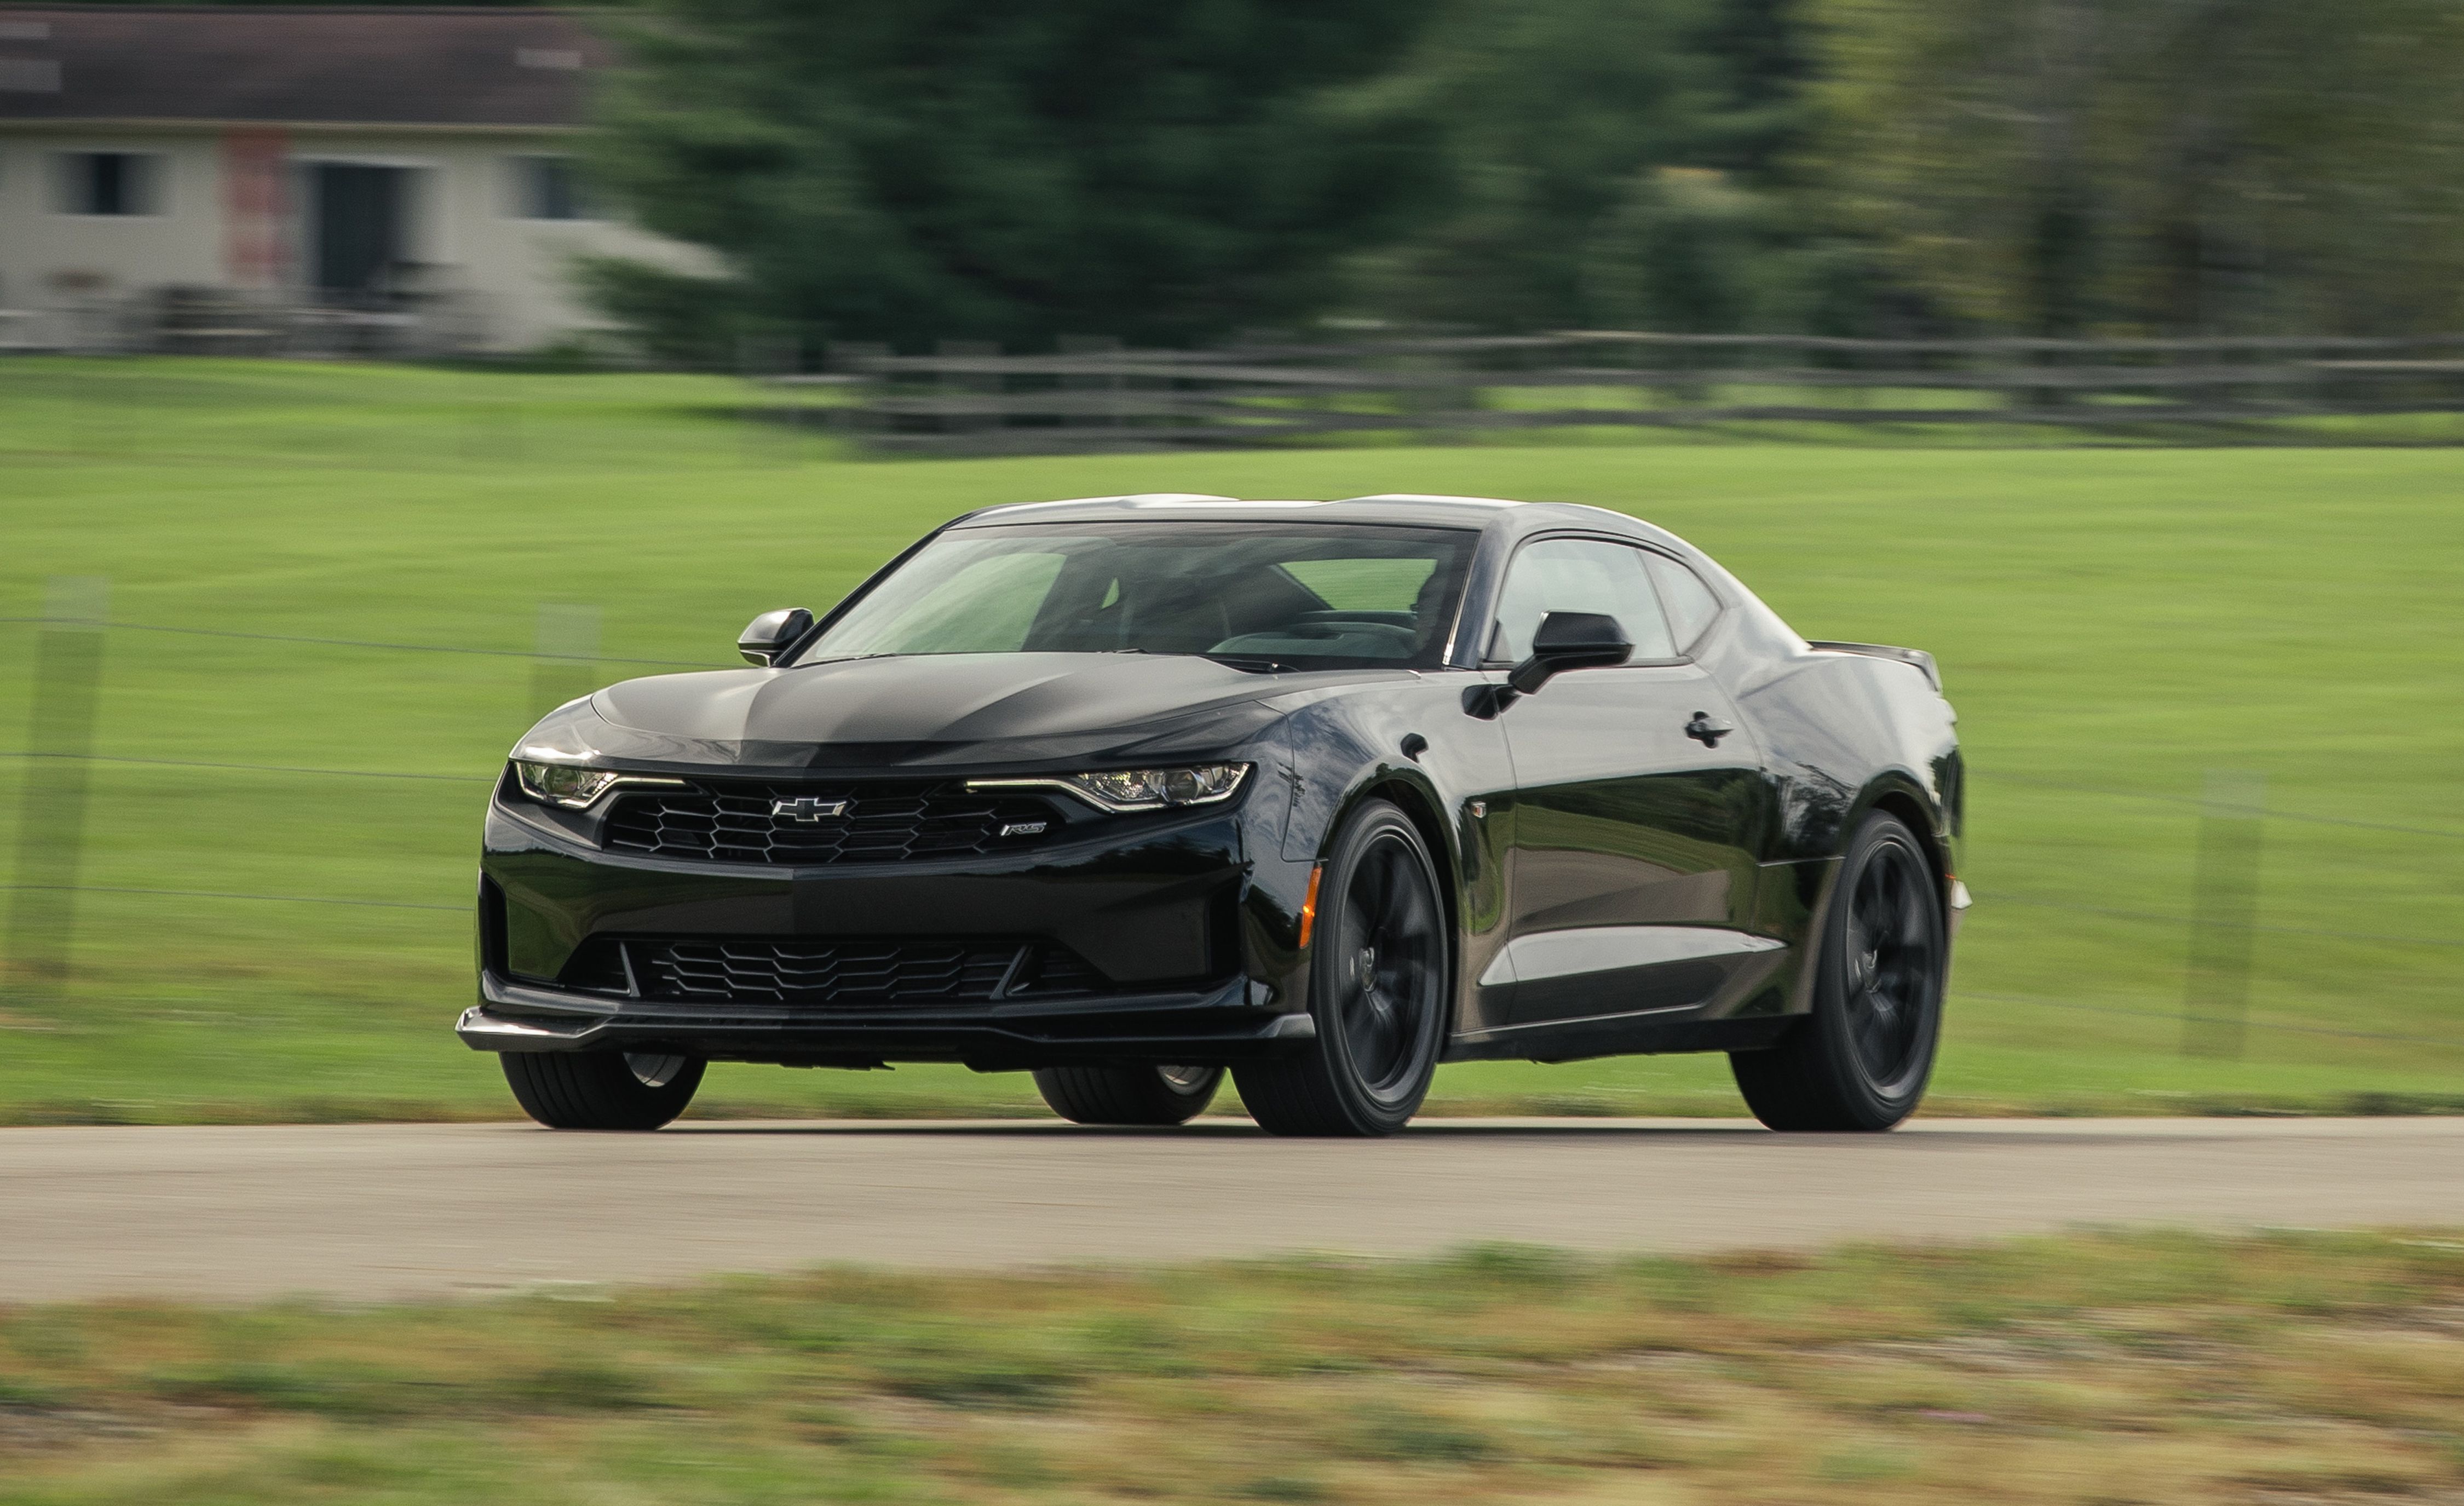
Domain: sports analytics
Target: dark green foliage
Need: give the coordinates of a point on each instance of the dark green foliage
(1763, 55)
(1555, 113)
(423, 4)
(678, 319)
(1173, 175)
(2158, 165)
(1616, 162)
(948, 170)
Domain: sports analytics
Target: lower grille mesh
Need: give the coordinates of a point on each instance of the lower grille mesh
(857, 974)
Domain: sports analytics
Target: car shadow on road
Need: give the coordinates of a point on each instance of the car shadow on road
(1937, 1136)
(1216, 1129)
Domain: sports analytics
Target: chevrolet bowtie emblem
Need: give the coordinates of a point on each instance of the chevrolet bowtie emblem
(805, 807)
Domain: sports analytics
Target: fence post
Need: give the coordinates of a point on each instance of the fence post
(1107, 410)
(962, 413)
(2224, 908)
(857, 358)
(567, 646)
(50, 816)
(761, 360)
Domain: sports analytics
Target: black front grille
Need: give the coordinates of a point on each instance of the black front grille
(857, 974)
(730, 821)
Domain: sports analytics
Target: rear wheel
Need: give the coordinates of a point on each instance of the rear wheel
(1129, 1095)
(1860, 1061)
(601, 1089)
(1378, 991)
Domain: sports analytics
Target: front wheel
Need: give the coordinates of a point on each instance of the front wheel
(1129, 1095)
(1860, 1061)
(1378, 991)
(601, 1089)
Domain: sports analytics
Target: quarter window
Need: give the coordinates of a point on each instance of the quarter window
(1688, 602)
(1589, 575)
(108, 183)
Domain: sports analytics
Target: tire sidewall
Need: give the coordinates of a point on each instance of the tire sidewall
(1372, 823)
(1873, 1104)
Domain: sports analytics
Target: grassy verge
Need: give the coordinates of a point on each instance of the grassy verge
(2090, 1368)
(2114, 623)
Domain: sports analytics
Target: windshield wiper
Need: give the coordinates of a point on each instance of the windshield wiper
(1246, 663)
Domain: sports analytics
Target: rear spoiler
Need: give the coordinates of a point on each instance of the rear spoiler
(1883, 651)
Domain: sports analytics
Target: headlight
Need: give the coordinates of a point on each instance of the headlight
(1120, 790)
(576, 787)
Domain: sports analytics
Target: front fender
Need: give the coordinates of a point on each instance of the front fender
(1338, 754)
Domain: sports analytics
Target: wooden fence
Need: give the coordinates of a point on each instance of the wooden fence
(1092, 396)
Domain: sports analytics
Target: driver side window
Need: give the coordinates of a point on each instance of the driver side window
(1578, 575)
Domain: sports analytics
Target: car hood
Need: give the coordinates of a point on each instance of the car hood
(922, 709)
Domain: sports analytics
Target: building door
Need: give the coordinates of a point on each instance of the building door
(360, 218)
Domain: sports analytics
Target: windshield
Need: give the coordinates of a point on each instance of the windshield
(1259, 595)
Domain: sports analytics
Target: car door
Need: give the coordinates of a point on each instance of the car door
(1631, 863)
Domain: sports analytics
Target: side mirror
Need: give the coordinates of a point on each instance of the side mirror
(1570, 640)
(773, 633)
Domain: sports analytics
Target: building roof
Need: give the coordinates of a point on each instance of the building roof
(295, 65)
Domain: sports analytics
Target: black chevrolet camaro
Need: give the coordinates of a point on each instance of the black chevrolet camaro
(1132, 791)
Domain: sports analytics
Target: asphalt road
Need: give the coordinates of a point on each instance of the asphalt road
(384, 1210)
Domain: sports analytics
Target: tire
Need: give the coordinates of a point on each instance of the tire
(1860, 1061)
(1129, 1095)
(1379, 982)
(601, 1090)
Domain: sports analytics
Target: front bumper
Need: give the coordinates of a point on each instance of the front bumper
(1187, 954)
(1223, 1025)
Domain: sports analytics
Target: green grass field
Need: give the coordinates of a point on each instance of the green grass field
(2085, 1369)
(2112, 622)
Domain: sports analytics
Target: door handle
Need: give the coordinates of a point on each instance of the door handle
(1705, 731)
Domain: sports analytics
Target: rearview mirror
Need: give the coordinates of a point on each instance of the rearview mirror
(1570, 640)
(773, 633)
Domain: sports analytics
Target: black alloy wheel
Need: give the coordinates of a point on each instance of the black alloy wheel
(1129, 1095)
(1862, 1060)
(1379, 989)
(601, 1089)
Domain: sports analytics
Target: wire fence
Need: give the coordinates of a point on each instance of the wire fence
(2221, 924)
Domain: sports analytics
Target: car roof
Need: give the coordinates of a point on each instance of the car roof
(1478, 514)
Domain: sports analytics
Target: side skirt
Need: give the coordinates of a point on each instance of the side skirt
(1627, 1035)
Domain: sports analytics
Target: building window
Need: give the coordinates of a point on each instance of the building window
(548, 188)
(110, 183)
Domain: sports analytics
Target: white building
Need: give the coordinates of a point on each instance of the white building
(372, 168)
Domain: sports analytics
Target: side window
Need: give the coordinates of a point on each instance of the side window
(1578, 575)
(107, 183)
(1689, 603)
(548, 188)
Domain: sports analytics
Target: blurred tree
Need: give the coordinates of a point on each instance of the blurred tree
(423, 4)
(2075, 166)
(1763, 53)
(950, 170)
(1687, 250)
(1616, 163)
(1552, 111)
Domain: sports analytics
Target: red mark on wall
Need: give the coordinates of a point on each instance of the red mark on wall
(257, 205)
